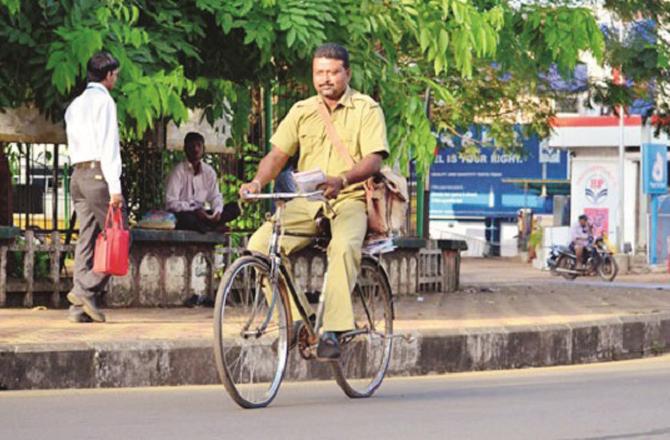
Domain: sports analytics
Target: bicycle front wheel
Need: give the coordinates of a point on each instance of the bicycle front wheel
(366, 352)
(608, 269)
(251, 333)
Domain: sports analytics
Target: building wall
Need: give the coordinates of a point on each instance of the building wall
(473, 232)
(631, 193)
(596, 169)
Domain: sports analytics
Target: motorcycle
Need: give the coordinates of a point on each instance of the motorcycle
(599, 260)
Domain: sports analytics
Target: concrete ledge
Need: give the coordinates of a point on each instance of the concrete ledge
(410, 243)
(155, 363)
(172, 236)
(452, 245)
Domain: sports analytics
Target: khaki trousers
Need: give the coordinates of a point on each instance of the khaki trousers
(344, 253)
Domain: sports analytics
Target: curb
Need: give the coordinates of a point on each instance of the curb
(156, 363)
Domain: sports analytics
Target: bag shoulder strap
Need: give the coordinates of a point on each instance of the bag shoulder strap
(333, 136)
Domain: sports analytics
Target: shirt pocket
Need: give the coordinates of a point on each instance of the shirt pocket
(312, 150)
(199, 188)
(351, 142)
(201, 195)
(310, 143)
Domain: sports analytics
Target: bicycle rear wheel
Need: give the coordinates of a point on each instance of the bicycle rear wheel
(567, 264)
(251, 334)
(366, 352)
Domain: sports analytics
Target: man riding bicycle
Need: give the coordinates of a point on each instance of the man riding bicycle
(359, 121)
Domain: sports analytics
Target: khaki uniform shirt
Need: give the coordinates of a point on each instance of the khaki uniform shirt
(358, 120)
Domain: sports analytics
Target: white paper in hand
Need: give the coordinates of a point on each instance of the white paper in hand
(307, 181)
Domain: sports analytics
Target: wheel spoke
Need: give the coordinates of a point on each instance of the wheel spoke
(251, 334)
(365, 306)
(366, 350)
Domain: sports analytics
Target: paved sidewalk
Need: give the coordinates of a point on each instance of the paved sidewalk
(514, 271)
(473, 308)
(490, 325)
(507, 315)
(495, 293)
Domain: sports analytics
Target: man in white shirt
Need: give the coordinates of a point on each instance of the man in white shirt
(582, 234)
(93, 145)
(192, 186)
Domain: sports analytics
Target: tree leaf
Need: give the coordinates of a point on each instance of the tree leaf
(290, 37)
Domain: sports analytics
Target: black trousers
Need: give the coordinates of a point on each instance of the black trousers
(189, 220)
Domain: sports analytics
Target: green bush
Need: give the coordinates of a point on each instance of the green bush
(535, 239)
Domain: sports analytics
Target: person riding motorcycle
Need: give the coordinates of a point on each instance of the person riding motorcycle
(582, 238)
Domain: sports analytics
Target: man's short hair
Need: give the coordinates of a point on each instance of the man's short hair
(583, 217)
(100, 65)
(333, 51)
(193, 138)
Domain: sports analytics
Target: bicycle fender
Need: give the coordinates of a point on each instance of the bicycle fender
(258, 255)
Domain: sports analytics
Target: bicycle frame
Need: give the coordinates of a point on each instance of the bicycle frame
(277, 267)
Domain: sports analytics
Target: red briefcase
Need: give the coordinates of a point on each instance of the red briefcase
(112, 245)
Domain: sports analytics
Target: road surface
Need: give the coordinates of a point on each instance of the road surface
(623, 400)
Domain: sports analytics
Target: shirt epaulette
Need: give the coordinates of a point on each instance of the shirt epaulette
(306, 102)
(365, 98)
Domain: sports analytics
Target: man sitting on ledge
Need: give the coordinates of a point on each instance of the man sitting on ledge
(191, 186)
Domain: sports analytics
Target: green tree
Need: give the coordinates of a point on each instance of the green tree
(643, 56)
(206, 53)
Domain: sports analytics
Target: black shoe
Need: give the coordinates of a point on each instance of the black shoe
(205, 301)
(198, 300)
(88, 306)
(191, 301)
(76, 314)
(329, 346)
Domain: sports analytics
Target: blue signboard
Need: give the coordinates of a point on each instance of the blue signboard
(466, 186)
(655, 183)
(654, 168)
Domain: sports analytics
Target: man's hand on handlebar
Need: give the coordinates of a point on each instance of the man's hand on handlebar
(253, 187)
(331, 187)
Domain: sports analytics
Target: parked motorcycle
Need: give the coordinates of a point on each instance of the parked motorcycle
(599, 260)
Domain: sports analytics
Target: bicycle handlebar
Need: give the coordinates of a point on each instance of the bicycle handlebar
(285, 196)
(313, 195)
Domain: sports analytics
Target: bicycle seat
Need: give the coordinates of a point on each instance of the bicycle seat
(371, 245)
(323, 231)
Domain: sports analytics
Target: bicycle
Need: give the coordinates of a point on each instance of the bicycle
(253, 322)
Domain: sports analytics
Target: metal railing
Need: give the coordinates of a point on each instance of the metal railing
(34, 263)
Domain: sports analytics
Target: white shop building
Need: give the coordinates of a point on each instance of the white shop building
(593, 145)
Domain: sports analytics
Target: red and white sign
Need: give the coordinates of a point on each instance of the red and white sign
(594, 192)
(594, 131)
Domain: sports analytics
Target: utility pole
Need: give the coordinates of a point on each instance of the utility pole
(622, 152)
(422, 193)
(267, 130)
